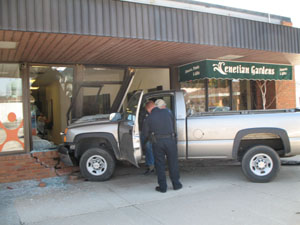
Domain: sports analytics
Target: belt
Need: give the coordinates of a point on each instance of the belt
(160, 136)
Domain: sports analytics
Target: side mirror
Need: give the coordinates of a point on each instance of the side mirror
(114, 117)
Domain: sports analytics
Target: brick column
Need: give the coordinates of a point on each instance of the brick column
(174, 78)
(286, 93)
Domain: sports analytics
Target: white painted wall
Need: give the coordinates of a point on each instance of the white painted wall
(150, 78)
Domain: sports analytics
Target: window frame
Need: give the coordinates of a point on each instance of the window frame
(25, 93)
(26, 101)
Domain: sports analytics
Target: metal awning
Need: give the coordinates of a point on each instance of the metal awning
(213, 69)
(110, 32)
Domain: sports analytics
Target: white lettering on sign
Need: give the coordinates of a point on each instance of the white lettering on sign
(195, 70)
(196, 73)
(283, 71)
(222, 68)
(237, 69)
(219, 68)
(262, 70)
(188, 71)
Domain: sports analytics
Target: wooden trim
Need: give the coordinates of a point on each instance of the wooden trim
(230, 95)
(206, 95)
(24, 70)
(17, 152)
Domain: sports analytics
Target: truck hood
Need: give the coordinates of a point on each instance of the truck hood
(92, 118)
(99, 126)
(82, 122)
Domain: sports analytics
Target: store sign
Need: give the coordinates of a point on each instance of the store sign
(234, 70)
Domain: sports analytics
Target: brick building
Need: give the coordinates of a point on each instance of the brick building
(49, 48)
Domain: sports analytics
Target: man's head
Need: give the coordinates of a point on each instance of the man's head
(149, 106)
(160, 103)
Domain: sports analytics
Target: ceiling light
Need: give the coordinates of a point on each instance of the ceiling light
(59, 69)
(8, 44)
(230, 57)
(99, 68)
(34, 88)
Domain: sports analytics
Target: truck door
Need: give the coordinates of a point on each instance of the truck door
(129, 137)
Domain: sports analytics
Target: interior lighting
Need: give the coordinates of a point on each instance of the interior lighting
(40, 66)
(99, 68)
(59, 69)
(8, 44)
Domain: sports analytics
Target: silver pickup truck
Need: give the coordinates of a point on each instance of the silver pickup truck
(255, 138)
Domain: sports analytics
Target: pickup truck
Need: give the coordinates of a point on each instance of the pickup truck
(255, 138)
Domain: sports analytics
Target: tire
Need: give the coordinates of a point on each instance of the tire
(97, 164)
(261, 164)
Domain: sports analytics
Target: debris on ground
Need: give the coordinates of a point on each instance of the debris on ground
(42, 184)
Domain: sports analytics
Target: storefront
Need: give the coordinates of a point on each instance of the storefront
(46, 92)
(50, 49)
(213, 86)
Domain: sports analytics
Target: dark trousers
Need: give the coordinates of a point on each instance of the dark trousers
(166, 147)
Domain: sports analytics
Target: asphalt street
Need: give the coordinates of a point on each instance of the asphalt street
(214, 192)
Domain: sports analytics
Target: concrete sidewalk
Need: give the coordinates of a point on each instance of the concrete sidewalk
(215, 192)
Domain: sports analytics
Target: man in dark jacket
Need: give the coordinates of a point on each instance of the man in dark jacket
(159, 129)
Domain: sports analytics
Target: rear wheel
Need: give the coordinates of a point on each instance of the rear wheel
(261, 164)
(97, 164)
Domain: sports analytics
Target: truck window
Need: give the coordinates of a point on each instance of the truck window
(131, 108)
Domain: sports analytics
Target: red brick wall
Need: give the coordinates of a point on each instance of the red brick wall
(286, 94)
(30, 166)
(270, 99)
(283, 98)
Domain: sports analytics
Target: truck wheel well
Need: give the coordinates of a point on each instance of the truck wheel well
(274, 143)
(275, 138)
(92, 142)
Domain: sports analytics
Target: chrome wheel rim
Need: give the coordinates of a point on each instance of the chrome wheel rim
(96, 165)
(261, 164)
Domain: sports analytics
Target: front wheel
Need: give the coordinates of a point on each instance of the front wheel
(261, 164)
(97, 164)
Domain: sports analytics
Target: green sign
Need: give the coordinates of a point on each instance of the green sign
(234, 70)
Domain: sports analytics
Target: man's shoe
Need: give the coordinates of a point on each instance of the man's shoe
(177, 187)
(160, 190)
(148, 171)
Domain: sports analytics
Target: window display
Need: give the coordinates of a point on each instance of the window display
(194, 96)
(217, 95)
(11, 109)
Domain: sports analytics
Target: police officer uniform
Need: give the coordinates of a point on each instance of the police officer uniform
(159, 129)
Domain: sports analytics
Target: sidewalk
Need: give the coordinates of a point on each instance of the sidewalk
(215, 192)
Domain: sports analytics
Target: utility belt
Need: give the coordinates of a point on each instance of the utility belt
(155, 137)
